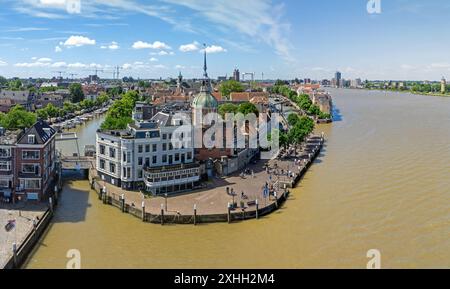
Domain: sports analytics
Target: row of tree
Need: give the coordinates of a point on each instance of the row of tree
(302, 100)
(51, 111)
(244, 108)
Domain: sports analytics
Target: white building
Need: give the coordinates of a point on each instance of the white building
(144, 156)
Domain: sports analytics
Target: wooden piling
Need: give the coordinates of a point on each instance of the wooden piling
(257, 209)
(162, 214)
(143, 211)
(195, 214)
(229, 213)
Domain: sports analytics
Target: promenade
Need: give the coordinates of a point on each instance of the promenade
(24, 216)
(214, 198)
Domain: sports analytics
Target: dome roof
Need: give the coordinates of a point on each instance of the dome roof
(205, 100)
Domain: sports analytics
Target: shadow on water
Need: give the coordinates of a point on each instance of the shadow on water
(73, 202)
(337, 116)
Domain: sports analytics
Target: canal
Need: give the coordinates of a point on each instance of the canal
(382, 183)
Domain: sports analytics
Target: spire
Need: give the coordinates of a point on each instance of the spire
(205, 67)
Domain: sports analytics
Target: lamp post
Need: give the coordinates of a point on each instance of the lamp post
(165, 196)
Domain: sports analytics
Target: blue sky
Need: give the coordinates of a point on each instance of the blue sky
(409, 39)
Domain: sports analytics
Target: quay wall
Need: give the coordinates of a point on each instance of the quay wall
(27, 246)
(237, 215)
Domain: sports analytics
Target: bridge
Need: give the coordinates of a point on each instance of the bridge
(77, 163)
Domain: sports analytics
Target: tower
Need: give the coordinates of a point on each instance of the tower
(179, 83)
(443, 85)
(204, 102)
(237, 75)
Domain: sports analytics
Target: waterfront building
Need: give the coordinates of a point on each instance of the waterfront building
(146, 155)
(10, 98)
(27, 162)
(443, 85)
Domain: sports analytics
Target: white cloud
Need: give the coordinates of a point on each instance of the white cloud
(194, 46)
(155, 45)
(77, 41)
(178, 66)
(44, 59)
(113, 46)
(127, 66)
(160, 66)
(77, 65)
(162, 53)
(153, 59)
(3, 63)
(59, 64)
(58, 49)
(259, 19)
(214, 49)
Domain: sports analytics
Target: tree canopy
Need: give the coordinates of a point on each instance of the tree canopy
(120, 113)
(76, 92)
(227, 87)
(17, 118)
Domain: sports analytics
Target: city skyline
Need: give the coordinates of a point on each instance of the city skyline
(282, 39)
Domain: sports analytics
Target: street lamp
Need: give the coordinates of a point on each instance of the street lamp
(165, 196)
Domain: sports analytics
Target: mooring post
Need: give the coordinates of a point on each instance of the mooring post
(50, 203)
(229, 213)
(195, 214)
(257, 209)
(56, 192)
(123, 203)
(14, 249)
(162, 214)
(143, 211)
(34, 225)
(276, 199)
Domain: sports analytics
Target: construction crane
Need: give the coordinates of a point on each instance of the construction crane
(252, 74)
(116, 72)
(59, 72)
(72, 75)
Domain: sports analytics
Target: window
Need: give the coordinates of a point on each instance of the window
(5, 153)
(102, 164)
(147, 148)
(147, 162)
(170, 146)
(128, 157)
(5, 166)
(164, 146)
(140, 174)
(30, 184)
(4, 183)
(31, 139)
(140, 149)
(189, 156)
(164, 158)
(124, 157)
(154, 160)
(164, 136)
(102, 149)
(31, 169)
(154, 148)
(112, 152)
(128, 172)
(112, 168)
(177, 157)
(30, 155)
(140, 161)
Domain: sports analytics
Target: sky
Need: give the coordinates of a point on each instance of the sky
(404, 40)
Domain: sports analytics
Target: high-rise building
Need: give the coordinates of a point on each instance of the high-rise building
(236, 75)
(338, 78)
(443, 85)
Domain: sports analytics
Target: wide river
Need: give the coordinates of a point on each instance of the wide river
(382, 182)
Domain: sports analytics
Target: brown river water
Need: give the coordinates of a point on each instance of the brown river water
(382, 182)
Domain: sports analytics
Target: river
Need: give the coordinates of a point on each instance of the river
(382, 182)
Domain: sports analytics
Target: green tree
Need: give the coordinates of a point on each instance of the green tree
(227, 108)
(3, 81)
(102, 99)
(15, 84)
(17, 118)
(247, 108)
(76, 92)
(119, 115)
(227, 87)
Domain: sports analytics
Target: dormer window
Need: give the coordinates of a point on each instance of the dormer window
(48, 131)
(31, 139)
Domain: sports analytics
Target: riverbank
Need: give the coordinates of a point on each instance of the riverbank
(212, 204)
(30, 222)
(398, 91)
